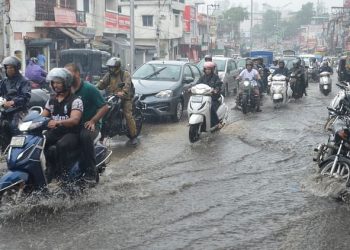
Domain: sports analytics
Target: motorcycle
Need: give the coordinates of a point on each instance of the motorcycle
(199, 111)
(114, 122)
(325, 84)
(295, 85)
(38, 98)
(278, 89)
(26, 160)
(248, 101)
(333, 157)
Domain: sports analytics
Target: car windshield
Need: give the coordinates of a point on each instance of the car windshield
(158, 72)
(241, 63)
(220, 64)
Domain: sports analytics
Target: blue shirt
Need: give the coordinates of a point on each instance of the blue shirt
(41, 60)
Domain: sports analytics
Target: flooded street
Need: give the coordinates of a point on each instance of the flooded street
(252, 185)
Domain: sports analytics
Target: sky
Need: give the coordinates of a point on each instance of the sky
(293, 5)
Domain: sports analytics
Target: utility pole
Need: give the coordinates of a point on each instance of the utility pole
(158, 31)
(132, 36)
(4, 24)
(214, 6)
(251, 25)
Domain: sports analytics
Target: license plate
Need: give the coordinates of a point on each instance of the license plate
(197, 99)
(17, 141)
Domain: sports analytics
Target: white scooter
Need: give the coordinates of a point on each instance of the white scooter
(325, 83)
(278, 89)
(199, 114)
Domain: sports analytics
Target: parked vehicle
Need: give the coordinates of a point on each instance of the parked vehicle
(199, 111)
(227, 72)
(162, 87)
(325, 84)
(91, 62)
(278, 90)
(26, 159)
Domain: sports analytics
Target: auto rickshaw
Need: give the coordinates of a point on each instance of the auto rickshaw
(90, 62)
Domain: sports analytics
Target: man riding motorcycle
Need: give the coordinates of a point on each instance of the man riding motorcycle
(112, 82)
(325, 67)
(212, 80)
(252, 75)
(95, 108)
(65, 110)
(35, 73)
(281, 70)
(299, 72)
(16, 90)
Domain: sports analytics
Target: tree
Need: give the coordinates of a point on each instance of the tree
(232, 19)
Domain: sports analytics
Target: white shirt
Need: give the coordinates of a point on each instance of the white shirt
(252, 75)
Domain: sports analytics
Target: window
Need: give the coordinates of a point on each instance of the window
(196, 71)
(86, 6)
(147, 21)
(112, 5)
(177, 20)
(187, 72)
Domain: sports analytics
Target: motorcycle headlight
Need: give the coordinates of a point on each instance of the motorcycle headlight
(246, 83)
(164, 94)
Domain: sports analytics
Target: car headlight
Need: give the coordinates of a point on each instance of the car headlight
(164, 94)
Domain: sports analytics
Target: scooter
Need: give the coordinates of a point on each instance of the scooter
(278, 89)
(199, 113)
(325, 84)
(26, 159)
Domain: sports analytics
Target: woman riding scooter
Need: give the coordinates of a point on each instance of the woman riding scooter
(212, 80)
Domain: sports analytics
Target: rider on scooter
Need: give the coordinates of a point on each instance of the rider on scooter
(252, 75)
(281, 70)
(66, 110)
(212, 80)
(325, 67)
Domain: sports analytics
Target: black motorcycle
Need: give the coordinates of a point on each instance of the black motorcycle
(114, 122)
(296, 85)
(248, 101)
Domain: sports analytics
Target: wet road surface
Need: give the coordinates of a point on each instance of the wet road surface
(252, 185)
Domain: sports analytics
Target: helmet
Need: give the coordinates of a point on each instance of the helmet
(208, 65)
(62, 75)
(208, 58)
(13, 61)
(114, 62)
(281, 61)
(34, 60)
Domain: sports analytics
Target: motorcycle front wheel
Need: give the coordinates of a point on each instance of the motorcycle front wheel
(341, 171)
(244, 104)
(194, 132)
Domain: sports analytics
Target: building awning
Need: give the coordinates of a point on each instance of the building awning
(42, 42)
(76, 36)
(99, 45)
(123, 42)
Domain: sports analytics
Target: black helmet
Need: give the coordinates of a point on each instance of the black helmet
(208, 58)
(281, 62)
(114, 62)
(13, 61)
(62, 75)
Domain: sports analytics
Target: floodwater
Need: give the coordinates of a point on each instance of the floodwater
(252, 185)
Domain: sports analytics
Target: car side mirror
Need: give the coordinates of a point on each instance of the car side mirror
(188, 79)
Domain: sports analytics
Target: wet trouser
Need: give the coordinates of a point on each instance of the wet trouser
(214, 115)
(57, 150)
(256, 93)
(127, 106)
(9, 128)
(88, 155)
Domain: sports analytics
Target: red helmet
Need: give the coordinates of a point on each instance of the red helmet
(209, 65)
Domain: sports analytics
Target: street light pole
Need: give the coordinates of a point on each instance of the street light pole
(208, 20)
(251, 25)
(132, 36)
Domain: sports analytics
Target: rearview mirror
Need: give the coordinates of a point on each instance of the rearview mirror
(188, 79)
